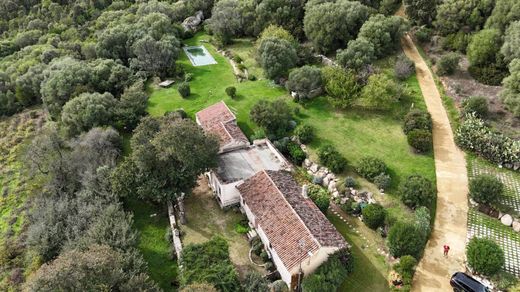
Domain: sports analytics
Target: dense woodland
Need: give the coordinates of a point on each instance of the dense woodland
(88, 64)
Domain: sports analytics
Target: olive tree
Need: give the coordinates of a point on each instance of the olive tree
(421, 11)
(511, 92)
(276, 57)
(155, 57)
(306, 81)
(359, 52)
(225, 21)
(88, 110)
(510, 48)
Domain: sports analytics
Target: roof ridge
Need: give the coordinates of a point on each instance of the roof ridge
(291, 206)
(233, 114)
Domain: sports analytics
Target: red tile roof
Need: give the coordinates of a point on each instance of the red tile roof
(219, 120)
(287, 218)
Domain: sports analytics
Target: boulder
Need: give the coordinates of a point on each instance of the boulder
(314, 168)
(307, 162)
(191, 23)
(325, 182)
(516, 226)
(331, 176)
(324, 170)
(332, 186)
(335, 194)
(507, 220)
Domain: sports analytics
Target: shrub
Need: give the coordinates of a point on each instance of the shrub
(305, 133)
(188, 77)
(406, 268)
(331, 274)
(296, 153)
(350, 182)
(423, 34)
(405, 239)
(369, 167)
(475, 104)
(231, 91)
(241, 228)
(332, 159)
(255, 282)
(319, 196)
(306, 81)
(251, 77)
(273, 116)
(484, 256)
(422, 221)
(485, 189)
(383, 181)
(403, 67)
(184, 89)
(473, 135)
(456, 42)
(417, 119)
(420, 140)
(417, 191)
(448, 63)
(374, 215)
(241, 67)
(491, 74)
(237, 59)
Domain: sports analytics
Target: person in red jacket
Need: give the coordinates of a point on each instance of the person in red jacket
(446, 250)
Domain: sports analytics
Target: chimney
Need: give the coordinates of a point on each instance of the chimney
(304, 191)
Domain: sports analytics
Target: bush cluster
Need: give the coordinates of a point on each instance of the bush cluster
(405, 239)
(474, 136)
(406, 268)
(332, 159)
(305, 133)
(184, 89)
(403, 67)
(296, 153)
(370, 167)
(485, 189)
(491, 74)
(319, 196)
(231, 91)
(423, 34)
(484, 256)
(448, 63)
(331, 274)
(417, 191)
(477, 105)
(418, 129)
(374, 215)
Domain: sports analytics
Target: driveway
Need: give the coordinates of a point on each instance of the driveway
(450, 227)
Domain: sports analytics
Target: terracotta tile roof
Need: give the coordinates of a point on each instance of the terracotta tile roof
(286, 222)
(219, 120)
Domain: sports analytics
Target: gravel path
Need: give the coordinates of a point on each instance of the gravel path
(434, 270)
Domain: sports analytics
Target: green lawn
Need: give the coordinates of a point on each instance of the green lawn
(152, 243)
(370, 270)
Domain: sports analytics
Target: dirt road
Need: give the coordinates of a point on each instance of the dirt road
(434, 271)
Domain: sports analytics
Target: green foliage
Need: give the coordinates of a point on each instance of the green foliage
(306, 81)
(389, 7)
(511, 44)
(475, 104)
(421, 11)
(504, 13)
(296, 153)
(163, 162)
(350, 182)
(276, 57)
(332, 159)
(97, 268)
(511, 93)
(485, 189)
(330, 25)
(254, 282)
(275, 31)
(406, 268)
(319, 196)
(417, 120)
(491, 74)
(404, 67)
(359, 52)
(383, 33)
(473, 135)
(423, 34)
(422, 221)
(421, 140)
(448, 64)
(286, 14)
(341, 86)
(155, 57)
(405, 239)
(331, 274)
(483, 47)
(226, 20)
(383, 181)
(240, 228)
(305, 133)
(374, 215)
(86, 111)
(231, 91)
(417, 191)
(380, 93)
(456, 42)
(209, 262)
(184, 89)
(273, 116)
(484, 256)
(369, 167)
(452, 15)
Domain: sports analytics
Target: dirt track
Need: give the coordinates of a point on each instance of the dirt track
(434, 271)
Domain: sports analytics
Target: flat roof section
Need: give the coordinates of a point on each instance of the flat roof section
(244, 163)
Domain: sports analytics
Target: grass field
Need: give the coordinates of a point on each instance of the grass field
(151, 222)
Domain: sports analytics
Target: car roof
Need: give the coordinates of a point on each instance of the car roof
(469, 281)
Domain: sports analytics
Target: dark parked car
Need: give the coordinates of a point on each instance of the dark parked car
(462, 282)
